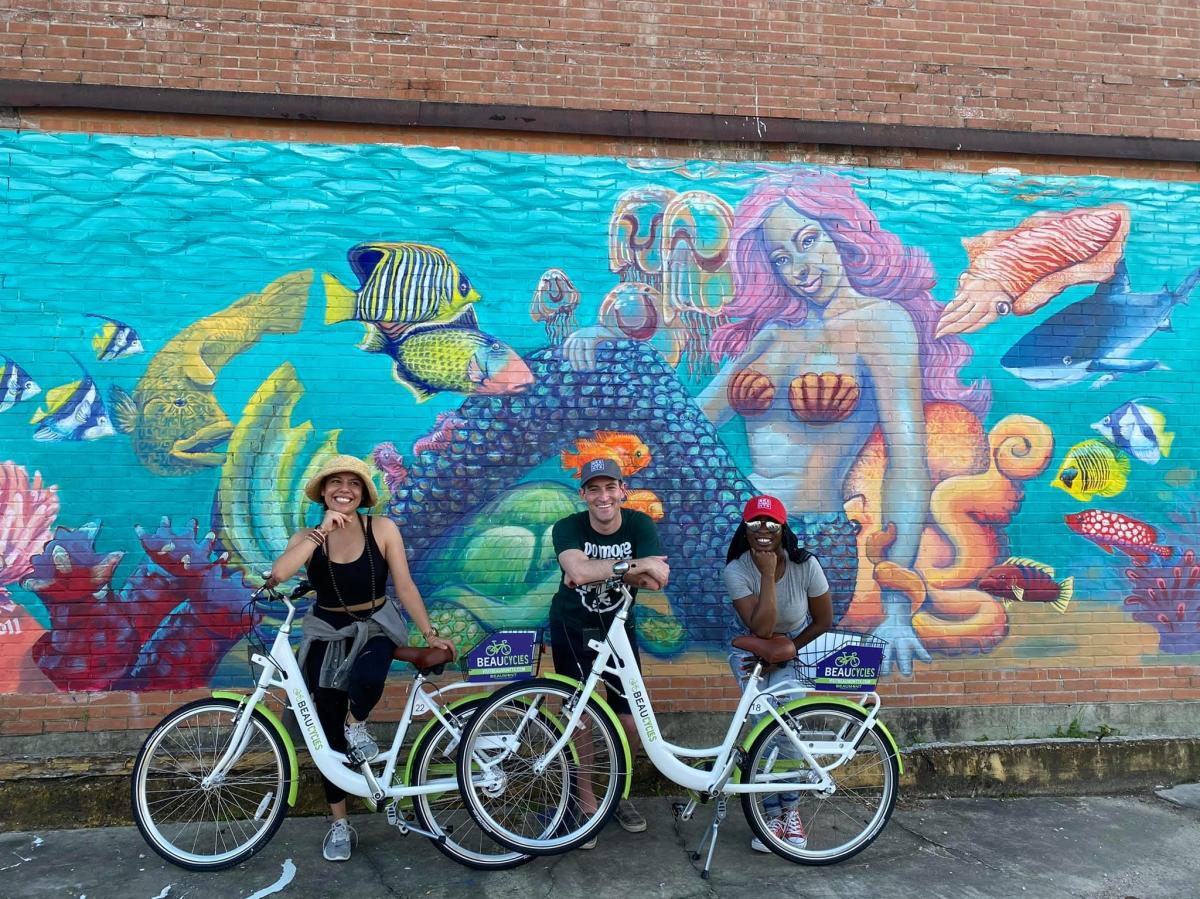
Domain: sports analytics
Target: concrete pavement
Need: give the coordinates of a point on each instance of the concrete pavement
(1100, 847)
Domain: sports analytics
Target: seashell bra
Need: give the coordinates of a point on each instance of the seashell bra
(817, 399)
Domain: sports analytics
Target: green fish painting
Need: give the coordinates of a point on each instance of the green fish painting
(176, 422)
(452, 357)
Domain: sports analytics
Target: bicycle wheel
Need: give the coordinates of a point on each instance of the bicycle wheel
(207, 829)
(446, 813)
(560, 807)
(839, 822)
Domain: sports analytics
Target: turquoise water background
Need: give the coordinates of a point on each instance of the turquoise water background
(159, 232)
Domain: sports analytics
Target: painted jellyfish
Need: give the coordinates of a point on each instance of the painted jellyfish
(697, 280)
(634, 244)
(554, 303)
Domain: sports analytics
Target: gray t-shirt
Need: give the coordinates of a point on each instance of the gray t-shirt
(799, 582)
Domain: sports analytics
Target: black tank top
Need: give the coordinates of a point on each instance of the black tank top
(353, 578)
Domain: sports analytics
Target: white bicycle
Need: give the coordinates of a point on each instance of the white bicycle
(544, 790)
(214, 779)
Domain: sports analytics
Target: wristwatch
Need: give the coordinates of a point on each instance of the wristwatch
(620, 569)
(432, 632)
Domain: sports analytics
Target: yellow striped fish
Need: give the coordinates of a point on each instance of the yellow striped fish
(1092, 467)
(400, 284)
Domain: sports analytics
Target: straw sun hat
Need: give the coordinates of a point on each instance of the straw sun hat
(337, 465)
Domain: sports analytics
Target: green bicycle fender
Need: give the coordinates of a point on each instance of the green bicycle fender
(616, 722)
(283, 735)
(814, 700)
(429, 725)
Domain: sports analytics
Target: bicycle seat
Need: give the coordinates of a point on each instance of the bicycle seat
(423, 658)
(772, 650)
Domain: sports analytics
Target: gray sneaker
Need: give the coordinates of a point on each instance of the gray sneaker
(629, 817)
(360, 745)
(339, 841)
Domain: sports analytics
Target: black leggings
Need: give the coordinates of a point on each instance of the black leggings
(368, 675)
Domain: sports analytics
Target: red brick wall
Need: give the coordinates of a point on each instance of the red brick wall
(1108, 68)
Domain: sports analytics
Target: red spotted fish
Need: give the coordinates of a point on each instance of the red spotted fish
(1023, 580)
(1112, 530)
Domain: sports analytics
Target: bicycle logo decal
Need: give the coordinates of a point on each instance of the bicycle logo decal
(503, 656)
(499, 648)
(847, 659)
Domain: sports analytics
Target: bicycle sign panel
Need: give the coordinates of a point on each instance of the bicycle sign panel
(503, 656)
(848, 668)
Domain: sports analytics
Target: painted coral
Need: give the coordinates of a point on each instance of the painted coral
(1168, 597)
(168, 627)
(27, 513)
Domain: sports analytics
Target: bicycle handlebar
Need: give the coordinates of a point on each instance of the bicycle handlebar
(608, 583)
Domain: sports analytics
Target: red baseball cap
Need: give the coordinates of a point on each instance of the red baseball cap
(765, 507)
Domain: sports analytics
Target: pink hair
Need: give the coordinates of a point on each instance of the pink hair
(877, 264)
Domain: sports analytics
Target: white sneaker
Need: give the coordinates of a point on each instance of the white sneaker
(339, 841)
(360, 745)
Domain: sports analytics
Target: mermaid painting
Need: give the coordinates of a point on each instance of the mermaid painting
(831, 337)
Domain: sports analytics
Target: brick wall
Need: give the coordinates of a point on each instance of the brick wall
(1095, 652)
(1113, 68)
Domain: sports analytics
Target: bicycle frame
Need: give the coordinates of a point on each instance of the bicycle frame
(615, 655)
(280, 671)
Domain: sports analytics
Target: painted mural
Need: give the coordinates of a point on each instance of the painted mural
(966, 389)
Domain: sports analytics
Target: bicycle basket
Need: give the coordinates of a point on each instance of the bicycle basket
(840, 660)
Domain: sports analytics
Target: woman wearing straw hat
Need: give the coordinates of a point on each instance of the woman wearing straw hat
(353, 628)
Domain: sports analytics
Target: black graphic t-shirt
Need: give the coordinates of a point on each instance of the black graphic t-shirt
(634, 539)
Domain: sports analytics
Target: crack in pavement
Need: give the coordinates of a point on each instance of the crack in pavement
(950, 851)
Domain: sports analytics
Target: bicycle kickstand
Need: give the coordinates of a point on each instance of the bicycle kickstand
(710, 836)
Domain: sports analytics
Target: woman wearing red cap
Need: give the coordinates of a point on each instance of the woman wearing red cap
(776, 587)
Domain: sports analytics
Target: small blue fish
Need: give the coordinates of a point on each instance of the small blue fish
(73, 411)
(1138, 429)
(15, 385)
(1097, 335)
(114, 339)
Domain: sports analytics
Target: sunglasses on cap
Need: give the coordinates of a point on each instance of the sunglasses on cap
(773, 527)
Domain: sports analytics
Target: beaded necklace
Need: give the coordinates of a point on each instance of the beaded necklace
(370, 567)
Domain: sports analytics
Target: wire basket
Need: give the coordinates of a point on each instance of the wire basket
(841, 661)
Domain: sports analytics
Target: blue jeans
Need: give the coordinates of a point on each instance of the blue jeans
(773, 803)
